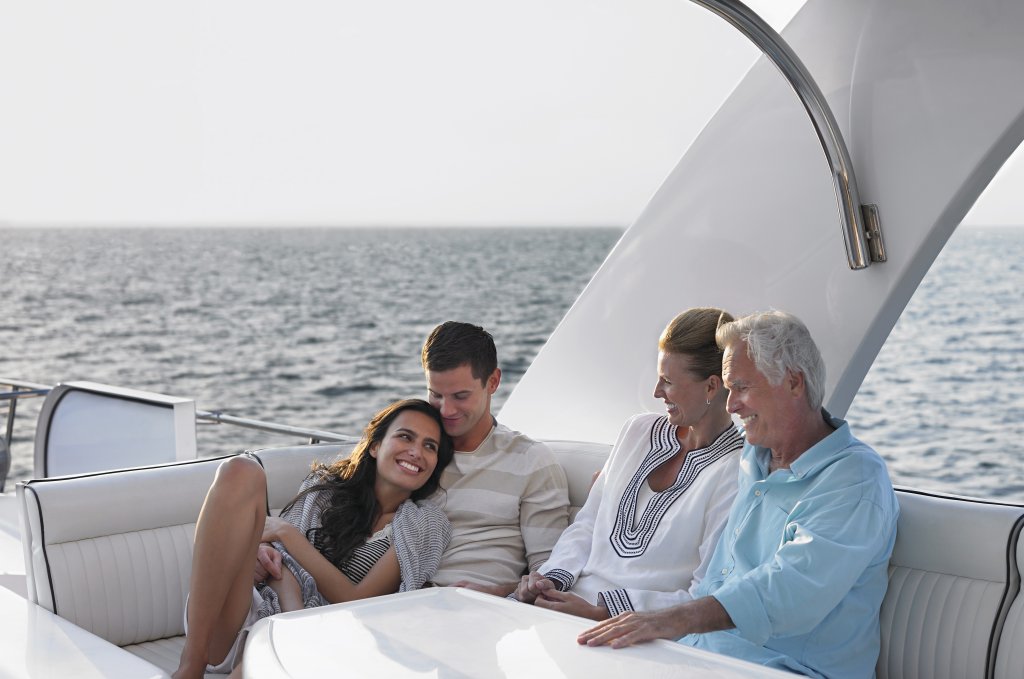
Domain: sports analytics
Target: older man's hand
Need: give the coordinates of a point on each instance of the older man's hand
(705, 614)
(631, 628)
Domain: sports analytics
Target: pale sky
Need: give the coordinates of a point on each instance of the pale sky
(450, 112)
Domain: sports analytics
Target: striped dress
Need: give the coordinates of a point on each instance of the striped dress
(419, 532)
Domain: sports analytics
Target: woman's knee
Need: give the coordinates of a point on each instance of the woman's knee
(242, 473)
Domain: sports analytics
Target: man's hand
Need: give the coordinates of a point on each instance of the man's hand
(567, 602)
(705, 614)
(268, 564)
(634, 628)
(496, 590)
(533, 585)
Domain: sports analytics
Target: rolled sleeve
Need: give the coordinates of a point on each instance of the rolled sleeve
(817, 565)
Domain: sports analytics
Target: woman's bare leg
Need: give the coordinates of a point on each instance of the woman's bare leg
(289, 592)
(220, 590)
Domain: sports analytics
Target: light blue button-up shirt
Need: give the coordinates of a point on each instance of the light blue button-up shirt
(802, 565)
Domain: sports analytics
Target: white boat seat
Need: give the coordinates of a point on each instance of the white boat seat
(111, 552)
(580, 462)
(1010, 658)
(953, 580)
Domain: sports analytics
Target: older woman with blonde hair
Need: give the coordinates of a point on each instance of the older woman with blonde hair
(650, 524)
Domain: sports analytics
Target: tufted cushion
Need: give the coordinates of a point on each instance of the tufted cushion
(947, 587)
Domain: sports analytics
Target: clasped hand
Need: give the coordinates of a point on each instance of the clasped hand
(268, 559)
(540, 591)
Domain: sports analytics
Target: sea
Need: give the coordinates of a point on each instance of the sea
(321, 327)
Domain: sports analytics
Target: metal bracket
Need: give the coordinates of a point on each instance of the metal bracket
(874, 232)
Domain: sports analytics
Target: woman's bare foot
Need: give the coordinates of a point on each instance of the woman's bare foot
(190, 669)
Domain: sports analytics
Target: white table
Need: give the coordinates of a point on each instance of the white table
(454, 633)
(36, 643)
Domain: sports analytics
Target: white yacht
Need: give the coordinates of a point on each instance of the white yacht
(825, 185)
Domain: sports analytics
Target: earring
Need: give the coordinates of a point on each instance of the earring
(708, 401)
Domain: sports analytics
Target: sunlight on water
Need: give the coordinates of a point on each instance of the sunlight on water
(310, 327)
(321, 327)
(944, 400)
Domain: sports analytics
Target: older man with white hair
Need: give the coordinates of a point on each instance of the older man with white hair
(798, 577)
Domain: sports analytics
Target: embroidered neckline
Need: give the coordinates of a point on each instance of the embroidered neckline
(629, 537)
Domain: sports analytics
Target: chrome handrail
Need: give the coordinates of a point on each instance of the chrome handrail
(314, 435)
(23, 385)
(861, 225)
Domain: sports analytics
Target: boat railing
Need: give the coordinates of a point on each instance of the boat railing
(862, 227)
(313, 435)
(12, 391)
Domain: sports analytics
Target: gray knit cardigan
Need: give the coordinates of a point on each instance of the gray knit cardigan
(420, 532)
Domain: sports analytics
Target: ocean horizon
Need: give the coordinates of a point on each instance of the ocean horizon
(320, 327)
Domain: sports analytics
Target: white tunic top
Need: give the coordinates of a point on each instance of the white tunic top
(639, 549)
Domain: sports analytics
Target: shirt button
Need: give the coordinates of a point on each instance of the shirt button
(757, 493)
(725, 571)
(737, 531)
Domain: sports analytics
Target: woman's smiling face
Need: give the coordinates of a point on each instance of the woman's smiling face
(407, 455)
(683, 393)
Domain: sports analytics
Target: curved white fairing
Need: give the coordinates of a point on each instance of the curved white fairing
(929, 95)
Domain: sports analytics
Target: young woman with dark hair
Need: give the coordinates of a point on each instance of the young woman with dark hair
(356, 529)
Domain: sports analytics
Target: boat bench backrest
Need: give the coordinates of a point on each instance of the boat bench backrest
(1010, 658)
(112, 551)
(580, 461)
(954, 581)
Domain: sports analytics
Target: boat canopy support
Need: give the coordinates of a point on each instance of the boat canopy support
(862, 228)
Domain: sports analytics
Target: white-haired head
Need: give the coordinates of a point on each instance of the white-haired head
(778, 342)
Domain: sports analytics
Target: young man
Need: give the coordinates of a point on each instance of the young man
(505, 494)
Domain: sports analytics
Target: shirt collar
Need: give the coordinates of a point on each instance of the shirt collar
(818, 456)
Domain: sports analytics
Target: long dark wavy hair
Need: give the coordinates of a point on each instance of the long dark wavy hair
(349, 517)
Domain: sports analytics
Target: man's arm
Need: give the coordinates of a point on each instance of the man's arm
(543, 508)
(824, 552)
(543, 517)
(496, 590)
(701, 615)
(572, 550)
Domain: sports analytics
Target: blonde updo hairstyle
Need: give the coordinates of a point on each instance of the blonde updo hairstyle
(692, 334)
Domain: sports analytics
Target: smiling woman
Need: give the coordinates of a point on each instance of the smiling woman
(355, 530)
(406, 458)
